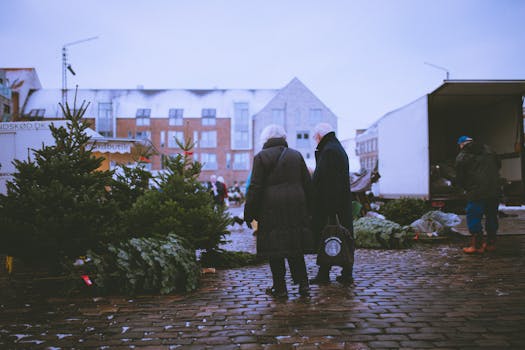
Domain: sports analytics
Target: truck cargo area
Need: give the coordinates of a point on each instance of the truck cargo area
(491, 112)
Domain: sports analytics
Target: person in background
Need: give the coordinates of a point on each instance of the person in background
(477, 172)
(216, 190)
(223, 190)
(279, 199)
(236, 194)
(332, 196)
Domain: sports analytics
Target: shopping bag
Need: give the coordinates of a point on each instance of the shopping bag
(336, 246)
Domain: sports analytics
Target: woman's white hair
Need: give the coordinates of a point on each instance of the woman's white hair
(322, 129)
(272, 131)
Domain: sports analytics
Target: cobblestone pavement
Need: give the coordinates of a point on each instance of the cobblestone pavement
(432, 296)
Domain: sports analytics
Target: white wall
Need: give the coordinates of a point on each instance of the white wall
(403, 152)
(17, 139)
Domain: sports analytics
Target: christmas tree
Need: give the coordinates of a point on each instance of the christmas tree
(58, 204)
(180, 204)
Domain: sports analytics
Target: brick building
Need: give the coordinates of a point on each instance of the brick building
(224, 123)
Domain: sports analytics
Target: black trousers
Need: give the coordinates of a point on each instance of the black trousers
(297, 268)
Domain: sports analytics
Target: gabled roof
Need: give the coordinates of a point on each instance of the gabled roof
(295, 83)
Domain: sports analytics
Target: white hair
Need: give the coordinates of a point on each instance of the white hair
(322, 129)
(220, 179)
(272, 131)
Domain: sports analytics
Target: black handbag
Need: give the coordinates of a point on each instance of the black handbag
(336, 247)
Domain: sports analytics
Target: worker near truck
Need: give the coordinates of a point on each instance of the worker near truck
(477, 172)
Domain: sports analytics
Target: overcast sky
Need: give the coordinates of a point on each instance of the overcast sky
(361, 58)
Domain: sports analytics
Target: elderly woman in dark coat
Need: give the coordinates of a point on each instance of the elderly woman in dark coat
(279, 199)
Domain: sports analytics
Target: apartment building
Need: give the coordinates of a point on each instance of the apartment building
(225, 124)
(366, 147)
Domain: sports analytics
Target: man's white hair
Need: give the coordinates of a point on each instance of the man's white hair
(322, 129)
(272, 131)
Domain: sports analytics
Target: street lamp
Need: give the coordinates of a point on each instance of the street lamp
(67, 67)
(438, 67)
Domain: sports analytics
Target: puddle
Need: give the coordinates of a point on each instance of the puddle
(62, 336)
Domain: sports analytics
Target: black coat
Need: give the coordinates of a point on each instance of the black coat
(331, 185)
(279, 198)
(477, 172)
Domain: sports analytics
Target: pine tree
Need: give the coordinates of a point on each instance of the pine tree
(58, 204)
(180, 204)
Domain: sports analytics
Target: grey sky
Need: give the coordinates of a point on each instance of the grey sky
(362, 58)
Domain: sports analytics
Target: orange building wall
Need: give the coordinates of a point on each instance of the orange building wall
(113, 157)
(127, 128)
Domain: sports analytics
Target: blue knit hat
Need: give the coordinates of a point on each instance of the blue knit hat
(464, 139)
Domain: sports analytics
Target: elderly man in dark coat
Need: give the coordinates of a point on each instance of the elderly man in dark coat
(332, 196)
(279, 198)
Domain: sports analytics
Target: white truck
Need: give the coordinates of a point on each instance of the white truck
(17, 139)
(413, 140)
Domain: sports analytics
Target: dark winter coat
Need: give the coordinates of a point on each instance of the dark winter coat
(279, 198)
(331, 184)
(477, 171)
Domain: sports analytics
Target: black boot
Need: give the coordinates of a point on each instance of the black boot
(344, 279)
(346, 275)
(277, 292)
(304, 289)
(323, 276)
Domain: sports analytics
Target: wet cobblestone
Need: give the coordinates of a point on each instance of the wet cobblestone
(430, 297)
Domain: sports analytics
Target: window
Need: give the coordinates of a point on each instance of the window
(228, 160)
(303, 139)
(209, 161)
(104, 123)
(175, 116)
(143, 116)
(130, 134)
(143, 135)
(278, 117)
(37, 112)
(175, 135)
(208, 116)
(196, 139)
(241, 139)
(162, 138)
(241, 126)
(208, 139)
(316, 115)
(241, 161)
